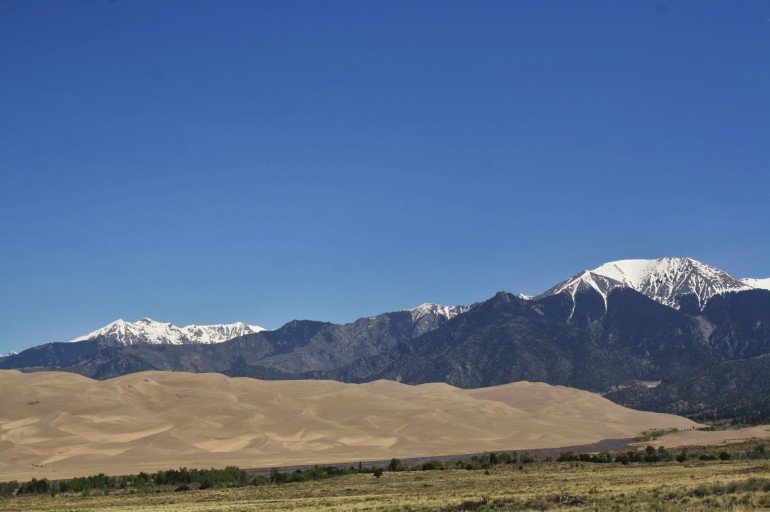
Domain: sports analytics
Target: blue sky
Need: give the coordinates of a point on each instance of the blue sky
(207, 162)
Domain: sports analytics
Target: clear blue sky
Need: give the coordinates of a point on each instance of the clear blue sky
(216, 161)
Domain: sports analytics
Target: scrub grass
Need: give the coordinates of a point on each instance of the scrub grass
(661, 487)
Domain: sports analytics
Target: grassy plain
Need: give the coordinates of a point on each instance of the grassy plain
(671, 486)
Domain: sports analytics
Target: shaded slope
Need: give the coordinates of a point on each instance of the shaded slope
(507, 339)
(736, 389)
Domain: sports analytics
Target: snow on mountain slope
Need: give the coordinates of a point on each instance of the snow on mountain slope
(584, 281)
(757, 283)
(665, 280)
(157, 333)
(447, 312)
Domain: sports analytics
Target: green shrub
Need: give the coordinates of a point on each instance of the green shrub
(8, 488)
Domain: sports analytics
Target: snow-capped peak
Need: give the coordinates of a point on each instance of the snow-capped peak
(147, 330)
(763, 284)
(586, 280)
(447, 312)
(665, 280)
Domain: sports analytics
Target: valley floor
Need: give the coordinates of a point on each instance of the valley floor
(691, 486)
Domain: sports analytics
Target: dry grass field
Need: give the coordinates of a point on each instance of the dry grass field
(692, 486)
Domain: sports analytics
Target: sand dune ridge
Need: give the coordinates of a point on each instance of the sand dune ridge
(59, 425)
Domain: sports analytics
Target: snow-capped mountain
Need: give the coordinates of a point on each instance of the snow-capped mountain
(594, 331)
(586, 280)
(447, 312)
(763, 284)
(149, 331)
(665, 280)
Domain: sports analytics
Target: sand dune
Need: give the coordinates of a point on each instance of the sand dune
(709, 438)
(59, 425)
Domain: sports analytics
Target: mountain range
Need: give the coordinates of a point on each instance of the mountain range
(672, 335)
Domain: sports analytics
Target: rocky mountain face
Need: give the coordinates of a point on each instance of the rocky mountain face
(673, 334)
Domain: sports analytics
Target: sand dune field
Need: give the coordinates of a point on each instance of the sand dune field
(59, 425)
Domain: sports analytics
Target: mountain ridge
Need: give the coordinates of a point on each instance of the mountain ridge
(591, 332)
(147, 330)
(665, 280)
(763, 284)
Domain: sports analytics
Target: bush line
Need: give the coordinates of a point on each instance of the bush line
(184, 479)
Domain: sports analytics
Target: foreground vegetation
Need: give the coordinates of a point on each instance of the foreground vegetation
(738, 480)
